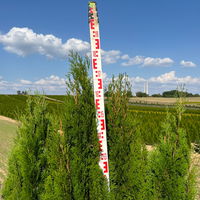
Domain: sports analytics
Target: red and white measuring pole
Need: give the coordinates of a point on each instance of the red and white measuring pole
(98, 86)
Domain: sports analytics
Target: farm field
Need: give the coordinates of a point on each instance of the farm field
(12, 105)
(7, 133)
(189, 101)
(149, 116)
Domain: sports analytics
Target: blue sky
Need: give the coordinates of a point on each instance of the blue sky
(151, 40)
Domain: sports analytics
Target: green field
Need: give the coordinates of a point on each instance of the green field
(13, 105)
(149, 117)
(7, 133)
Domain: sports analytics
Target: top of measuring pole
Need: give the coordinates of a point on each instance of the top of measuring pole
(92, 3)
(93, 14)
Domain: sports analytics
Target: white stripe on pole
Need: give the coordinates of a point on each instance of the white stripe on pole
(98, 87)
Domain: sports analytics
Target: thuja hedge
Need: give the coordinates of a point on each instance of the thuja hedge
(150, 125)
(162, 108)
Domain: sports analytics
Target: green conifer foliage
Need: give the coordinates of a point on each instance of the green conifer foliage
(28, 158)
(80, 132)
(170, 164)
(127, 155)
(57, 184)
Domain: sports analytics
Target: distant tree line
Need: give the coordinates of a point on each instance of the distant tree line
(175, 93)
(19, 92)
(171, 93)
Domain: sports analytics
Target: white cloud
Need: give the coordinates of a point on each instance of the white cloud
(125, 57)
(5, 85)
(23, 41)
(50, 85)
(56, 85)
(50, 81)
(77, 45)
(164, 78)
(137, 60)
(187, 63)
(166, 81)
(110, 57)
(104, 75)
(26, 82)
(146, 61)
(171, 77)
(157, 61)
(2, 82)
(189, 80)
(137, 79)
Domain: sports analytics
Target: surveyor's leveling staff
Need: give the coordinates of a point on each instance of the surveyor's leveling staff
(98, 86)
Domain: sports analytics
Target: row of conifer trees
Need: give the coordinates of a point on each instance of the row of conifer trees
(55, 157)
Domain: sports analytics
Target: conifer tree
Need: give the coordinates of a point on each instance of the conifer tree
(127, 154)
(80, 132)
(170, 164)
(28, 158)
(57, 185)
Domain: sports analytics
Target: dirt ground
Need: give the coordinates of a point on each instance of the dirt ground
(8, 119)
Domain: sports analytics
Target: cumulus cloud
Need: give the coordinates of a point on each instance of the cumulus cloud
(157, 61)
(164, 78)
(50, 85)
(146, 61)
(23, 41)
(166, 81)
(104, 75)
(110, 57)
(125, 57)
(2, 81)
(137, 60)
(47, 81)
(163, 82)
(52, 80)
(187, 63)
(26, 82)
(137, 79)
(56, 85)
(5, 85)
(171, 77)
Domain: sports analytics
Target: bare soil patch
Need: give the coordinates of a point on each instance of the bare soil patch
(8, 119)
